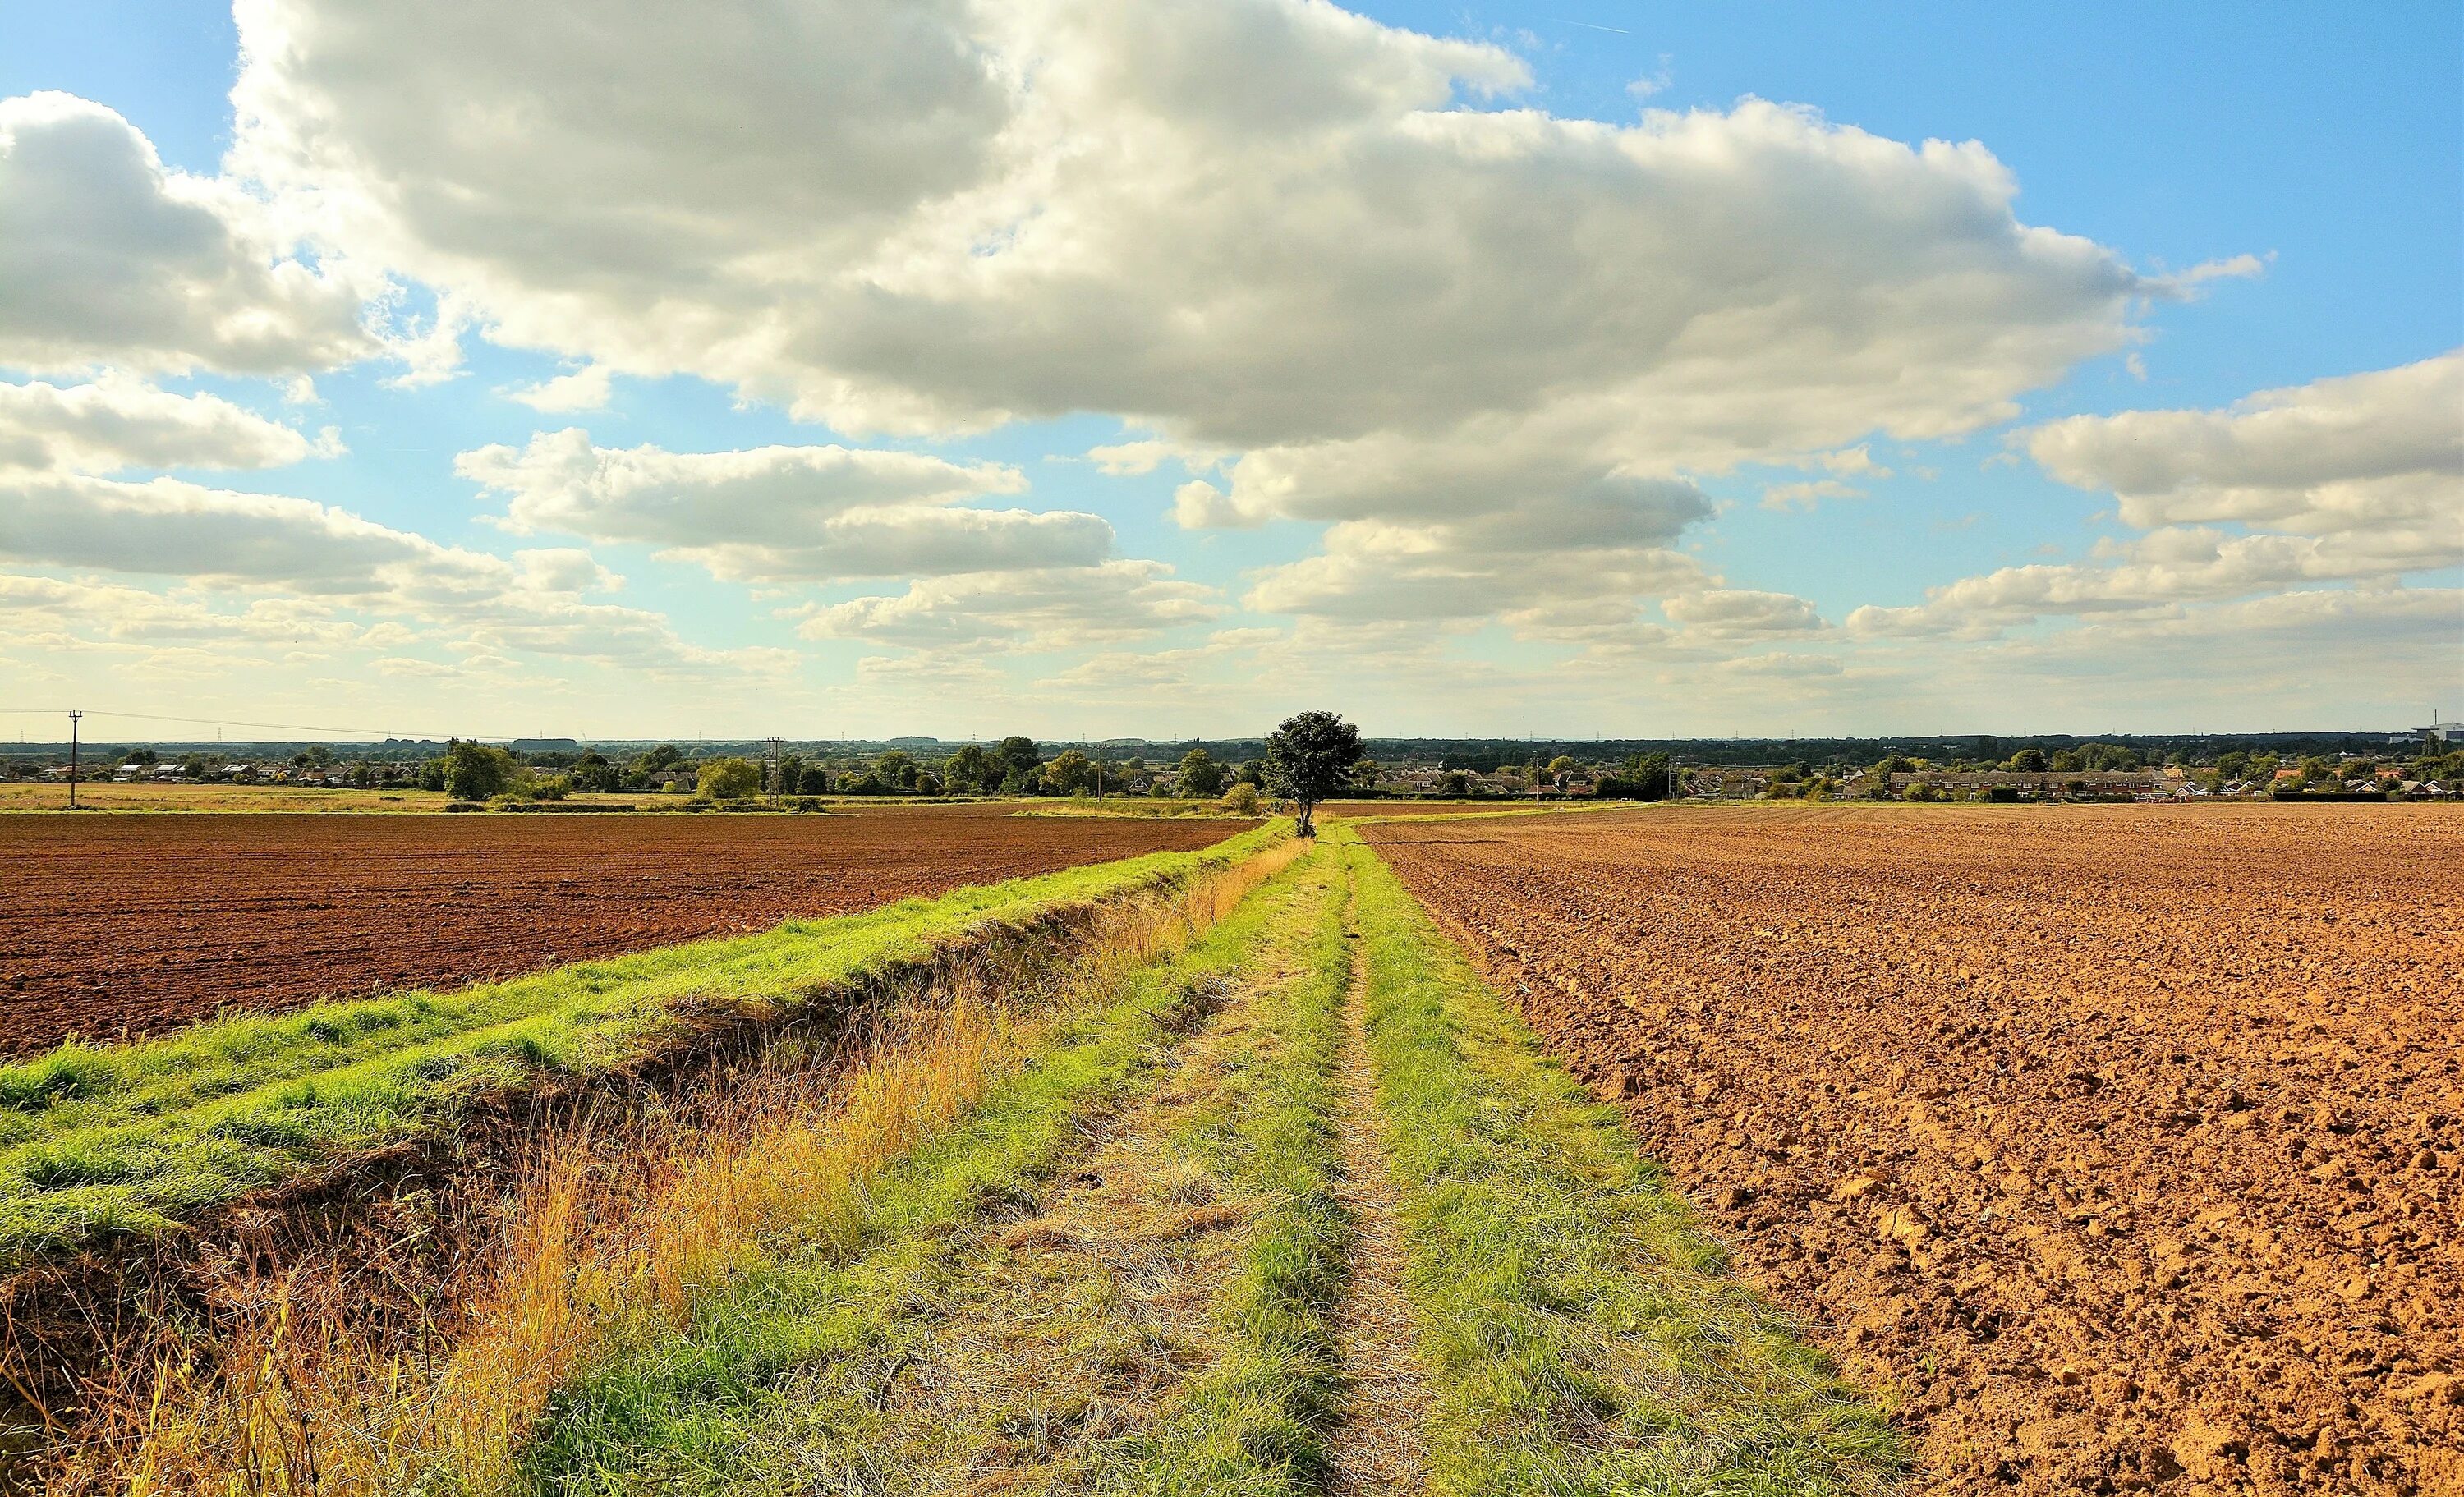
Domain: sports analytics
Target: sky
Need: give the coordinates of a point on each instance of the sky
(854, 368)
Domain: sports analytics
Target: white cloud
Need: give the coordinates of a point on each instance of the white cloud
(1134, 459)
(109, 259)
(315, 559)
(1552, 566)
(585, 388)
(1053, 609)
(2356, 479)
(2362, 452)
(1263, 227)
(2157, 572)
(167, 527)
(1806, 495)
(784, 513)
(118, 423)
(1739, 614)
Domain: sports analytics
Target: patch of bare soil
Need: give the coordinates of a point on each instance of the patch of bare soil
(119, 926)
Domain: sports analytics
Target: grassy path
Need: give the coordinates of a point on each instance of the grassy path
(1382, 1445)
(1114, 1277)
(1297, 1209)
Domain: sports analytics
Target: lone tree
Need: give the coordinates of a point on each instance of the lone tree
(1309, 757)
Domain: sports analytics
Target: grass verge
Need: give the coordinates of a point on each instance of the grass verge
(1578, 1331)
(96, 1140)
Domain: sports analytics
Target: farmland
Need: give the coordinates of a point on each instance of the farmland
(120, 925)
(2124, 1147)
(1197, 1171)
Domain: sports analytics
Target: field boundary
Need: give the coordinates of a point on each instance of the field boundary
(1577, 1327)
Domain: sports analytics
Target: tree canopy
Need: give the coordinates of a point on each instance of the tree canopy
(1199, 775)
(1309, 757)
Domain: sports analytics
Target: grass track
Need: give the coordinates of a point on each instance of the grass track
(1579, 1333)
(786, 1380)
(96, 1140)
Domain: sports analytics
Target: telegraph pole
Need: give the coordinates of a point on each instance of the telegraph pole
(73, 715)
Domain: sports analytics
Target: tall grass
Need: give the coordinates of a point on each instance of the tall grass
(615, 1231)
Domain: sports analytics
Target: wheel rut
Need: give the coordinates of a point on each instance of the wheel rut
(1381, 1443)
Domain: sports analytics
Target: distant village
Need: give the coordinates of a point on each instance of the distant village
(2426, 764)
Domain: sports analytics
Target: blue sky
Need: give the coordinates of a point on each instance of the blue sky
(2005, 485)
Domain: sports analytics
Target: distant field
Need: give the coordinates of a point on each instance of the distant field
(27, 795)
(2129, 1139)
(113, 923)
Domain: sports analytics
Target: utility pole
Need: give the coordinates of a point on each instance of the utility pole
(73, 715)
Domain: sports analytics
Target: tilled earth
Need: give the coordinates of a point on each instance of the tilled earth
(113, 925)
(2123, 1144)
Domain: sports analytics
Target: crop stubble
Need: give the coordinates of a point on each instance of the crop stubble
(143, 923)
(2123, 1140)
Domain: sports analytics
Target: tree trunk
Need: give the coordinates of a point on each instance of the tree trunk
(1306, 828)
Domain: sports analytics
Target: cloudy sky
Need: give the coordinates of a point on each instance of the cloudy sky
(837, 367)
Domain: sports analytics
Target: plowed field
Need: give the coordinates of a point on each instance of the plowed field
(141, 923)
(2127, 1142)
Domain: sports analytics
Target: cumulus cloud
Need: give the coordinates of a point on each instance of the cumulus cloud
(1551, 566)
(2357, 479)
(65, 611)
(585, 388)
(784, 513)
(1739, 614)
(2157, 572)
(110, 258)
(315, 561)
(1268, 227)
(118, 423)
(1022, 610)
(2365, 450)
(167, 527)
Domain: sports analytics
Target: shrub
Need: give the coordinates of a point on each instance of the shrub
(729, 780)
(1242, 800)
(476, 772)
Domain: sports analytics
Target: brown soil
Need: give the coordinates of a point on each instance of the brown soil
(2125, 1143)
(120, 925)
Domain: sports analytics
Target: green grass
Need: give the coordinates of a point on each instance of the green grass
(1579, 1332)
(779, 1379)
(96, 1140)
(1255, 1422)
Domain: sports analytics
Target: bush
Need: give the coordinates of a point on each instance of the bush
(1242, 800)
(729, 780)
(551, 787)
(476, 772)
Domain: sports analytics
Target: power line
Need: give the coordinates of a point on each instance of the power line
(225, 722)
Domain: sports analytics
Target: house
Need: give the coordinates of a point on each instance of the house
(675, 782)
